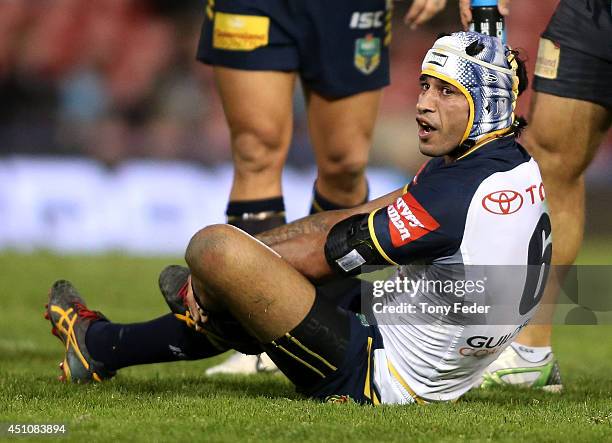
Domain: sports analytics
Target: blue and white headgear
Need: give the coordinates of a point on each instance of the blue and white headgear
(485, 71)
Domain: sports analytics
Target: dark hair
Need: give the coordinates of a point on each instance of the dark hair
(520, 122)
(518, 125)
(521, 71)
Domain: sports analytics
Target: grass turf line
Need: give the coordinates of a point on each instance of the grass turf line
(172, 401)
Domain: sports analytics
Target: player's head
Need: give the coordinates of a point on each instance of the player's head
(482, 71)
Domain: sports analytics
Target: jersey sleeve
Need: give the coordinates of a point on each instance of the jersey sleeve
(425, 223)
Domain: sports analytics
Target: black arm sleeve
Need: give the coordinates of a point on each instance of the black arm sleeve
(349, 245)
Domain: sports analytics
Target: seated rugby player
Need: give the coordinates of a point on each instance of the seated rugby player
(258, 294)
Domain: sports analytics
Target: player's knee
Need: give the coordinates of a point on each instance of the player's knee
(343, 167)
(556, 159)
(208, 246)
(258, 150)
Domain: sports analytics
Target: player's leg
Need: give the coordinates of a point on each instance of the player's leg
(321, 348)
(258, 107)
(344, 66)
(341, 131)
(258, 110)
(571, 111)
(234, 272)
(252, 49)
(341, 134)
(563, 156)
(96, 348)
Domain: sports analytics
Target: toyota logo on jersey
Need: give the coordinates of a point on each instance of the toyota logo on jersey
(408, 220)
(503, 202)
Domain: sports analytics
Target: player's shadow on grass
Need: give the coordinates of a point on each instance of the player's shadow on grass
(261, 385)
(525, 396)
(273, 386)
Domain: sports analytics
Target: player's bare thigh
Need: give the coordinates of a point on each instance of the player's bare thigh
(258, 107)
(233, 270)
(563, 136)
(564, 133)
(341, 132)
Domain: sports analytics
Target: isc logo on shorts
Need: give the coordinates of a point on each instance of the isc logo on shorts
(367, 20)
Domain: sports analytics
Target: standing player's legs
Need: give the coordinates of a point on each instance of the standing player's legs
(341, 132)
(258, 110)
(563, 136)
(344, 66)
(252, 50)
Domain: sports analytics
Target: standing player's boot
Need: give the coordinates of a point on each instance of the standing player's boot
(70, 320)
(222, 331)
(512, 369)
(245, 364)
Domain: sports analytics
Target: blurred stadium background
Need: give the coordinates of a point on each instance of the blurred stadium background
(112, 136)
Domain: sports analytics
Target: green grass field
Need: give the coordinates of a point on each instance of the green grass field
(176, 401)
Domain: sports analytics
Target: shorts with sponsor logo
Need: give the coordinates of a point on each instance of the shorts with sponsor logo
(338, 49)
(575, 53)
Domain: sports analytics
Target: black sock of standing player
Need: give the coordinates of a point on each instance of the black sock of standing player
(255, 216)
(161, 340)
(320, 203)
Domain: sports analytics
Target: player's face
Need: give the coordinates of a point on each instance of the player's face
(442, 116)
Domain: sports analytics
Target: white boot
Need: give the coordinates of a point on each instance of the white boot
(244, 364)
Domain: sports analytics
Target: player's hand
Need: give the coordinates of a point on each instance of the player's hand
(199, 317)
(466, 13)
(422, 10)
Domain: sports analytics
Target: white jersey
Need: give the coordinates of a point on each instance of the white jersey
(486, 209)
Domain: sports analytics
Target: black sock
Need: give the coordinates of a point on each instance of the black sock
(255, 216)
(161, 340)
(320, 203)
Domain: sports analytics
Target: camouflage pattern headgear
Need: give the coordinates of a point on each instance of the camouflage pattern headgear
(485, 71)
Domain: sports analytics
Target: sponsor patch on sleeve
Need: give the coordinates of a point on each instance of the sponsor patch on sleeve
(236, 32)
(408, 220)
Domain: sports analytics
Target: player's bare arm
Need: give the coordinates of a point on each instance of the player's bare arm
(301, 243)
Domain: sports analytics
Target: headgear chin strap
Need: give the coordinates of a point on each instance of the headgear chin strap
(484, 70)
